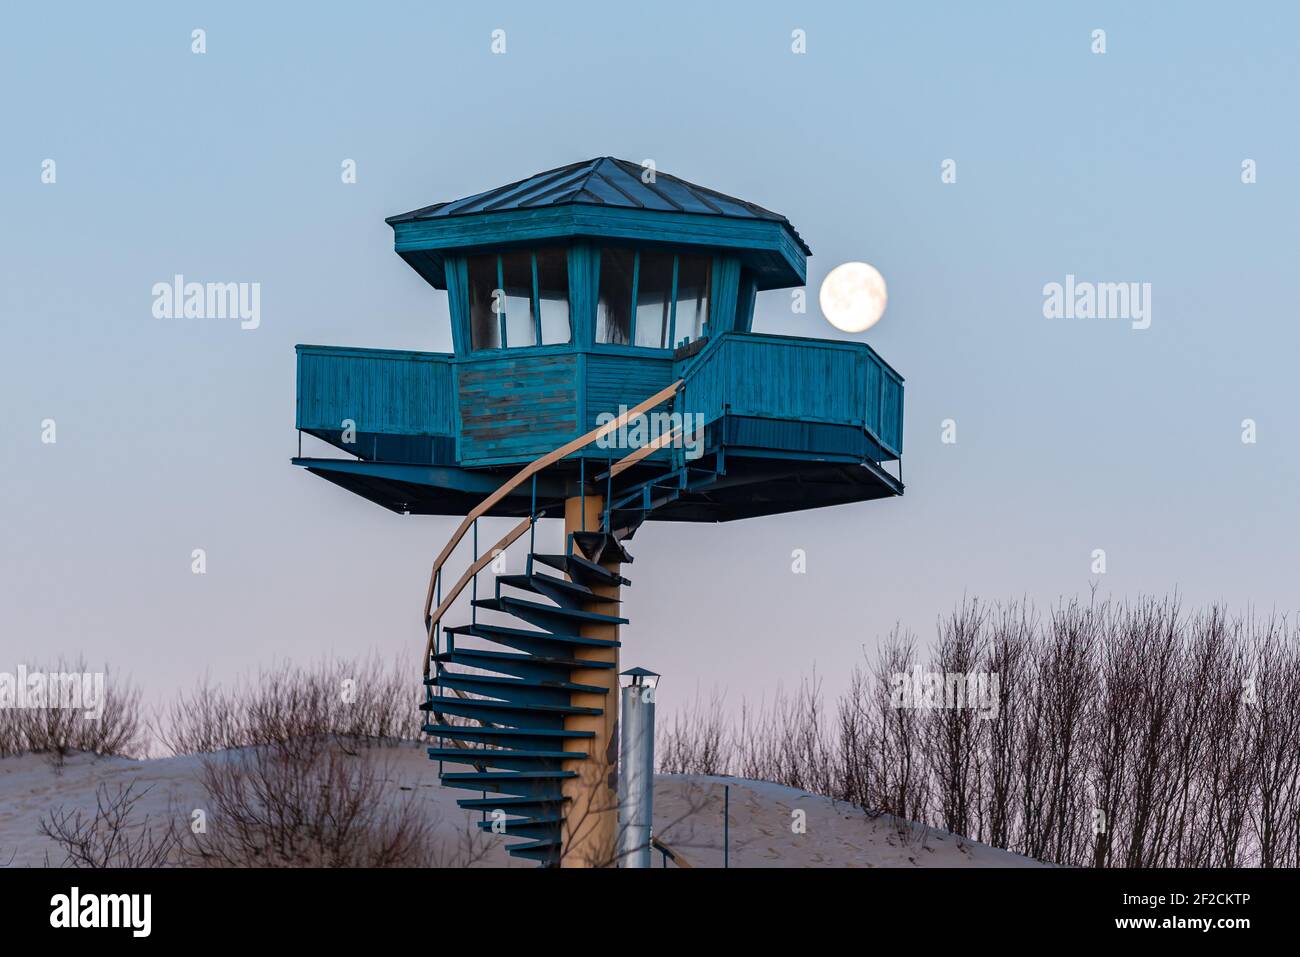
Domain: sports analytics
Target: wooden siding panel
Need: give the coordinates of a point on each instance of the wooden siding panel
(622, 380)
(398, 393)
(808, 380)
(891, 431)
(516, 408)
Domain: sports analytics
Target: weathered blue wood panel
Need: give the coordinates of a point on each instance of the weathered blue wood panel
(808, 380)
(722, 303)
(582, 294)
(515, 408)
(458, 303)
(622, 380)
(399, 393)
(767, 248)
(745, 300)
(891, 403)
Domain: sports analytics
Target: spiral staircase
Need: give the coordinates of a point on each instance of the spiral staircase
(499, 694)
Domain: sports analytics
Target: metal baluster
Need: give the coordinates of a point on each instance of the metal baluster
(532, 526)
(609, 488)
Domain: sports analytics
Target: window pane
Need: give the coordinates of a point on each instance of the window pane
(614, 305)
(654, 296)
(517, 276)
(553, 294)
(484, 327)
(693, 277)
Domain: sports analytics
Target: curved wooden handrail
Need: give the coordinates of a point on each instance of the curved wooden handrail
(531, 469)
(663, 439)
(663, 848)
(505, 542)
(431, 618)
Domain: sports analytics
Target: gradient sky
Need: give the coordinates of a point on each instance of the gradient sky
(1072, 434)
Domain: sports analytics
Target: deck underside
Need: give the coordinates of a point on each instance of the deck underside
(752, 484)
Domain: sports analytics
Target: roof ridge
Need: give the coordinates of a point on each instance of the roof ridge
(608, 181)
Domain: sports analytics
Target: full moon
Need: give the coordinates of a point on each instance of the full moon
(853, 297)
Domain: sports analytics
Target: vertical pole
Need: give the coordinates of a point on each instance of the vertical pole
(591, 813)
(532, 527)
(726, 825)
(636, 769)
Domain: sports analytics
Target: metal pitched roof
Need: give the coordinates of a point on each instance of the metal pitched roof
(604, 181)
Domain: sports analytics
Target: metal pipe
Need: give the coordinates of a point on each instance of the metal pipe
(726, 825)
(636, 774)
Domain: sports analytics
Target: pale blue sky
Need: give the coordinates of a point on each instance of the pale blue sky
(1072, 435)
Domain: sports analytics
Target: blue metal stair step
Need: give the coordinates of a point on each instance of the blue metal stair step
(536, 612)
(514, 805)
(581, 569)
(526, 639)
(517, 690)
(526, 831)
(475, 755)
(538, 820)
(520, 665)
(523, 738)
(556, 589)
(436, 702)
(505, 758)
(543, 854)
(601, 547)
(515, 715)
(548, 684)
(530, 827)
(510, 783)
(508, 775)
(538, 844)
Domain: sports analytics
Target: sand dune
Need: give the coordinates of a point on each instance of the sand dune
(766, 829)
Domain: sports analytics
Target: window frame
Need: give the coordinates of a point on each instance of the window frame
(635, 304)
(535, 306)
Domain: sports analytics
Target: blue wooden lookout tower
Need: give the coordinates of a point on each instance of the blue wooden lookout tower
(604, 372)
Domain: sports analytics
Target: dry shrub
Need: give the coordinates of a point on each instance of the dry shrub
(302, 780)
(355, 702)
(308, 802)
(696, 743)
(788, 742)
(111, 836)
(1125, 735)
(61, 731)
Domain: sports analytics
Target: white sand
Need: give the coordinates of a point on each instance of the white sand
(688, 816)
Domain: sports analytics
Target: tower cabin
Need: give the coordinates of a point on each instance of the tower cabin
(580, 292)
(604, 371)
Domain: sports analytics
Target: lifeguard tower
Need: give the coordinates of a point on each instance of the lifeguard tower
(604, 372)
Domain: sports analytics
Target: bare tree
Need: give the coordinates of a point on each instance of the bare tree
(1125, 735)
(953, 733)
(308, 803)
(114, 835)
(59, 728)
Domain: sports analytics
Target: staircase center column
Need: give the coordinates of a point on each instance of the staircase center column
(590, 829)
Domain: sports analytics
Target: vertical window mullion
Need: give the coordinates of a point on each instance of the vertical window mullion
(501, 301)
(636, 277)
(595, 312)
(672, 317)
(537, 306)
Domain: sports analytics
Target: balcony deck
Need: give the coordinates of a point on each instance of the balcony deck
(814, 422)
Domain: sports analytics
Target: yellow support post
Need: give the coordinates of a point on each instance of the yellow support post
(591, 815)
